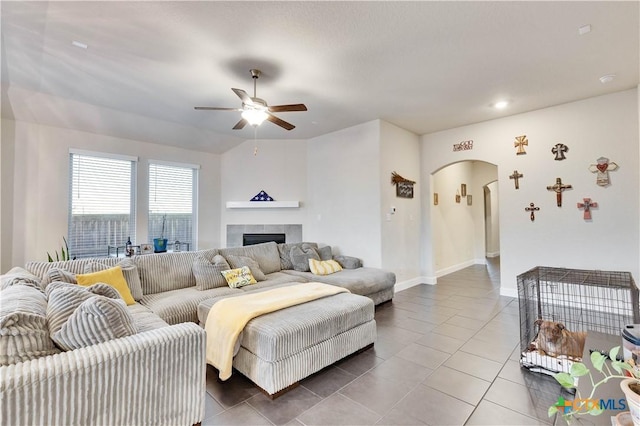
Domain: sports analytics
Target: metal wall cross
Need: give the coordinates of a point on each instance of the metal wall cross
(559, 151)
(515, 176)
(559, 188)
(586, 205)
(533, 209)
(520, 143)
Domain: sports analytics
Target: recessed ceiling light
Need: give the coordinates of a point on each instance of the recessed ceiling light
(584, 29)
(500, 104)
(79, 44)
(607, 78)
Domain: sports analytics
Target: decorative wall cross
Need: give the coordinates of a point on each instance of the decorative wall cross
(586, 205)
(516, 176)
(559, 188)
(520, 143)
(533, 209)
(602, 168)
(559, 151)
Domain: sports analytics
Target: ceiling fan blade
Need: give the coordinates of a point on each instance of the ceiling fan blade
(240, 124)
(218, 108)
(284, 108)
(243, 96)
(275, 120)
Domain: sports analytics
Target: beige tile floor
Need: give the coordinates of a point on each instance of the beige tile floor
(445, 355)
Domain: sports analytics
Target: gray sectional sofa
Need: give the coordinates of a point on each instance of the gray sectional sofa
(140, 369)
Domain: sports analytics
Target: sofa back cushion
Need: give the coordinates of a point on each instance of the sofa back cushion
(40, 269)
(266, 254)
(24, 334)
(166, 271)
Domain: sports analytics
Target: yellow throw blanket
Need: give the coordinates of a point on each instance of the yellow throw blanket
(228, 317)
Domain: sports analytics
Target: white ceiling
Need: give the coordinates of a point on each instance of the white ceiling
(423, 66)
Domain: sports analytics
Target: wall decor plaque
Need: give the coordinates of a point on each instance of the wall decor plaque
(520, 143)
(602, 167)
(463, 146)
(404, 187)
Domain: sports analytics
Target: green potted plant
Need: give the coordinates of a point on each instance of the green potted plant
(64, 253)
(615, 369)
(160, 244)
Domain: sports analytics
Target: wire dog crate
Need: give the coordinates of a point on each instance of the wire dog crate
(581, 300)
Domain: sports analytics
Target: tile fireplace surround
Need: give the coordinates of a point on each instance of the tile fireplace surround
(292, 232)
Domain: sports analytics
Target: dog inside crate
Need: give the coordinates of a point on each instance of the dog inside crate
(558, 307)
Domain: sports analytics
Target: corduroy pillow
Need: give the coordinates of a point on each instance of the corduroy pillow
(324, 267)
(325, 253)
(60, 275)
(300, 257)
(240, 261)
(20, 276)
(24, 334)
(83, 316)
(208, 273)
(239, 277)
(129, 270)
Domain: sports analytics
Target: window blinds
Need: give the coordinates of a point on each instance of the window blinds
(172, 201)
(101, 203)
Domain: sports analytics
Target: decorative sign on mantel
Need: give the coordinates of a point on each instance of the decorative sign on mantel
(463, 146)
(404, 187)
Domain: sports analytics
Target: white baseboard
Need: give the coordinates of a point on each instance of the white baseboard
(509, 292)
(493, 254)
(413, 282)
(455, 268)
(482, 261)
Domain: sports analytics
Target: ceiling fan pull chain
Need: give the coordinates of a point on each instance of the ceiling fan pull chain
(255, 141)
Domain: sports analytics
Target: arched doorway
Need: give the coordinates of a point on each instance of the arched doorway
(465, 224)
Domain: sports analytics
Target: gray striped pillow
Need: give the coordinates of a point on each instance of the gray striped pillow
(240, 261)
(65, 298)
(208, 273)
(129, 270)
(18, 275)
(58, 274)
(98, 319)
(23, 325)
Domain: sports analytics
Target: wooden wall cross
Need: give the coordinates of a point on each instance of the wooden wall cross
(559, 151)
(559, 188)
(516, 176)
(520, 143)
(602, 167)
(586, 205)
(533, 209)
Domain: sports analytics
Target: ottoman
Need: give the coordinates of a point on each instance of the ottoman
(280, 348)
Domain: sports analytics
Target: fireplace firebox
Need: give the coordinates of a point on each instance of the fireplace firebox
(251, 239)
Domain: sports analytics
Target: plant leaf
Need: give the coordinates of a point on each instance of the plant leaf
(578, 369)
(597, 359)
(552, 410)
(613, 353)
(64, 254)
(50, 259)
(621, 365)
(565, 380)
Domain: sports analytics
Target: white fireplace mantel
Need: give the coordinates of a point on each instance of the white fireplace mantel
(263, 204)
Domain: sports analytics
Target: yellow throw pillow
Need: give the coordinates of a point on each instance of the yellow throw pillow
(113, 277)
(324, 267)
(238, 277)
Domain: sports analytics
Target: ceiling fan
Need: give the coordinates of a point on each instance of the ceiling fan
(255, 110)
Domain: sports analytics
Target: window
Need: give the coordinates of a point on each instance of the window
(102, 202)
(173, 202)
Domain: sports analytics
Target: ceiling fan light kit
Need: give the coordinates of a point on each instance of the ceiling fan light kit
(255, 110)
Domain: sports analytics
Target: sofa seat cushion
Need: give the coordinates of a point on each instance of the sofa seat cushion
(363, 281)
(144, 319)
(273, 280)
(24, 334)
(177, 306)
